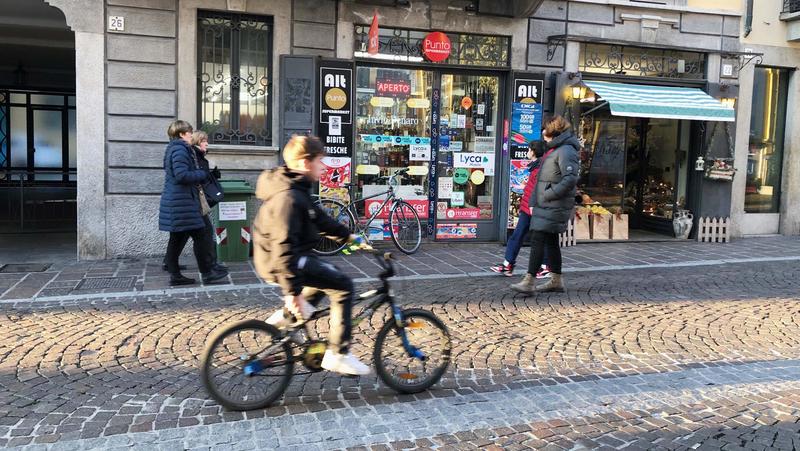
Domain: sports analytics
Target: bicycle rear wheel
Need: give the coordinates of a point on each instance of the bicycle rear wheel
(424, 332)
(245, 366)
(339, 212)
(405, 227)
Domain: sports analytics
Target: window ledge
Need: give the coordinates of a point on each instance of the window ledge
(790, 17)
(226, 149)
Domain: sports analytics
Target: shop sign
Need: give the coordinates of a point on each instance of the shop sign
(484, 144)
(528, 90)
(477, 177)
(473, 160)
(460, 176)
(337, 172)
(393, 88)
(419, 152)
(381, 102)
(456, 231)
(436, 46)
(457, 198)
(466, 102)
(395, 140)
(463, 213)
(418, 103)
(335, 126)
(372, 205)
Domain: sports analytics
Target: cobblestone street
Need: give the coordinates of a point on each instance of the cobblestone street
(692, 357)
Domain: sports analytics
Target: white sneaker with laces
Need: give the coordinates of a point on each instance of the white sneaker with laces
(344, 364)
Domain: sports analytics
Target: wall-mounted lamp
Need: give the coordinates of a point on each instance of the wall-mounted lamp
(577, 91)
(700, 164)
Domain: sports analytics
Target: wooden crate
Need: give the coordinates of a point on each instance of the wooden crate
(714, 230)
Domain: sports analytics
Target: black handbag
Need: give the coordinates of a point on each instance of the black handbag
(213, 191)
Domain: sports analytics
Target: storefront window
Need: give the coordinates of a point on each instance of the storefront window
(765, 158)
(393, 132)
(469, 116)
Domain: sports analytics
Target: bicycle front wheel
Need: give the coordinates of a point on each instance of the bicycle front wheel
(427, 337)
(341, 214)
(245, 366)
(405, 227)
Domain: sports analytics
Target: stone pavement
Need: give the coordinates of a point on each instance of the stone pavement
(64, 277)
(690, 357)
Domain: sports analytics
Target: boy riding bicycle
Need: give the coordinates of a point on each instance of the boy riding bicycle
(287, 228)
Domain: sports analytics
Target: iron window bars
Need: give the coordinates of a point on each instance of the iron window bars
(235, 78)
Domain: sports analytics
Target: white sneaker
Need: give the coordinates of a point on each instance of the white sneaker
(279, 320)
(344, 364)
(302, 310)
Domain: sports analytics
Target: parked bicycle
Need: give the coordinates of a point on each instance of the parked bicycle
(249, 364)
(404, 225)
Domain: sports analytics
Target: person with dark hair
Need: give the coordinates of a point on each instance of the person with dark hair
(183, 206)
(287, 228)
(535, 153)
(552, 204)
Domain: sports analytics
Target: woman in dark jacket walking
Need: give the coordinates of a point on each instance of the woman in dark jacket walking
(552, 203)
(180, 211)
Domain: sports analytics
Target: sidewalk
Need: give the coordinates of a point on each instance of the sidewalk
(64, 277)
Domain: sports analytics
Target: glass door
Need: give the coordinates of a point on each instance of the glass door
(468, 158)
(393, 108)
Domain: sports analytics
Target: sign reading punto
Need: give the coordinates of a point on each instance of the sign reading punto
(436, 46)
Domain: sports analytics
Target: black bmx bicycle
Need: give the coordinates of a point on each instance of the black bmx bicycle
(404, 225)
(248, 365)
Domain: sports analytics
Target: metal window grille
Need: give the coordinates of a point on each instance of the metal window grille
(641, 62)
(235, 78)
(791, 6)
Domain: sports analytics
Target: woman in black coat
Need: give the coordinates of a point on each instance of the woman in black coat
(180, 210)
(552, 203)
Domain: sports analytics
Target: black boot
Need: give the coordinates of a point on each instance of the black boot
(214, 276)
(179, 279)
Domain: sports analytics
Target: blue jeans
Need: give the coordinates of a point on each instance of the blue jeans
(518, 237)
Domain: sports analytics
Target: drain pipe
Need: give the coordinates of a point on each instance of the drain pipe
(748, 18)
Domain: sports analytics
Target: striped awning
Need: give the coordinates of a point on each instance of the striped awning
(661, 102)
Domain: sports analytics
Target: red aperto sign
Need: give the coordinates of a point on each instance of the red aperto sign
(392, 88)
(436, 46)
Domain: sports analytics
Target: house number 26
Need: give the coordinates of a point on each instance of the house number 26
(116, 23)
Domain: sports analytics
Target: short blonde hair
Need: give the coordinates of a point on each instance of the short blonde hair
(198, 137)
(302, 148)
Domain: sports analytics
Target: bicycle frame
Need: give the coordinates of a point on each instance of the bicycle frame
(379, 297)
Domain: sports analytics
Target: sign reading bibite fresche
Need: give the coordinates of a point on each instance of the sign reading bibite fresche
(335, 127)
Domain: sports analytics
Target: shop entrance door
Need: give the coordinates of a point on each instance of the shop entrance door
(656, 172)
(467, 201)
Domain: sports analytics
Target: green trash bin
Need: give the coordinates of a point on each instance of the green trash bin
(233, 220)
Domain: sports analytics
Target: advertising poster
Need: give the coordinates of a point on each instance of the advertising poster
(525, 126)
(372, 205)
(445, 187)
(456, 231)
(337, 172)
(462, 213)
(335, 126)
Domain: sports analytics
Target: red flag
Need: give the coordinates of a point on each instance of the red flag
(374, 43)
